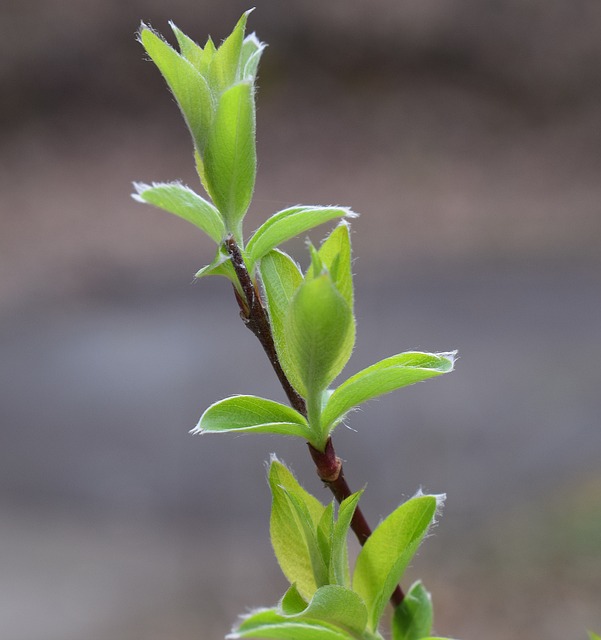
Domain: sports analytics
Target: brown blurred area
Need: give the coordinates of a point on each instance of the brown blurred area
(468, 136)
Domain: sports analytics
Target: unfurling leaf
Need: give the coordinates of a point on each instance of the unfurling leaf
(387, 552)
(269, 623)
(333, 612)
(321, 332)
(221, 266)
(229, 159)
(281, 278)
(225, 63)
(288, 537)
(252, 414)
(381, 378)
(190, 89)
(339, 569)
(413, 617)
(335, 255)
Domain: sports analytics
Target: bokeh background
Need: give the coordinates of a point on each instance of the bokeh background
(468, 135)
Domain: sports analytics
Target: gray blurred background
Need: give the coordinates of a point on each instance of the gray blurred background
(468, 135)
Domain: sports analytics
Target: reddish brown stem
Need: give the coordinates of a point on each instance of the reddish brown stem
(328, 465)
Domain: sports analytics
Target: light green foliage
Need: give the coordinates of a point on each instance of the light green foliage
(307, 538)
(287, 224)
(281, 278)
(311, 320)
(250, 413)
(189, 87)
(387, 552)
(339, 569)
(230, 160)
(221, 265)
(288, 535)
(412, 619)
(594, 636)
(183, 202)
(381, 378)
(214, 89)
(321, 329)
(334, 254)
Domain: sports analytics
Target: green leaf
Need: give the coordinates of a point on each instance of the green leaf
(339, 569)
(187, 85)
(252, 414)
(252, 50)
(221, 266)
(268, 623)
(321, 332)
(292, 602)
(387, 552)
(180, 200)
(287, 533)
(381, 378)
(288, 224)
(325, 530)
(594, 636)
(189, 49)
(281, 278)
(332, 610)
(335, 255)
(230, 156)
(413, 617)
(225, 62)
(303, 517)
(338, 606)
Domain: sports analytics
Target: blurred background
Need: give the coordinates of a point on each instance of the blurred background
(468, 136)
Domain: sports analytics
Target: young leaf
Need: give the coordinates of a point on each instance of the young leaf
(183, 202)
(321, 332)
(281, 278)
(381, 378)
(413, 617)
(303, 517)
(187, 85)
(325, 530)
(225, 62)
(287, 533)
(191, 51)
(335, 255)
(338, 606)
(292, 602)
(339, 569)
(268, 623)
(230, 156)
(221, 266)
(288, 224)
(251, 414)
(252, 49)
(387, 552)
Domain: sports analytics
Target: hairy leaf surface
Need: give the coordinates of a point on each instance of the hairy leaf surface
(190, 89)
(387, 552)
(252, 414)
(287, 533)
(412, 619)
(381, 378)
(281, 278)
(320, 329)
(230, 157)
(288, 224)
(180, 200)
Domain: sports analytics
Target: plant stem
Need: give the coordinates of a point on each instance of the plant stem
(328, 464)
